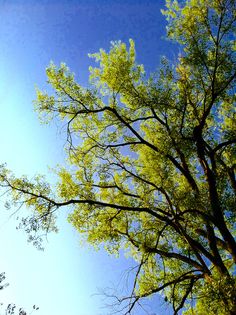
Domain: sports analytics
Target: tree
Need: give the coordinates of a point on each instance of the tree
(152, 161)
(11, 308)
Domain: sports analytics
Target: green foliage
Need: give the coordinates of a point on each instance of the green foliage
(215, 297)
(153, 160)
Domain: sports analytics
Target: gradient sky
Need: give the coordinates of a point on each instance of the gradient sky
(66, 276)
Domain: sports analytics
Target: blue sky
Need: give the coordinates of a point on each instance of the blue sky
(64, 278)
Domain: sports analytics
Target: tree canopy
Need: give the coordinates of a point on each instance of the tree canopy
(152, 161)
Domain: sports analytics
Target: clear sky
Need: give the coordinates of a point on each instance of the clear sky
(64, 278)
